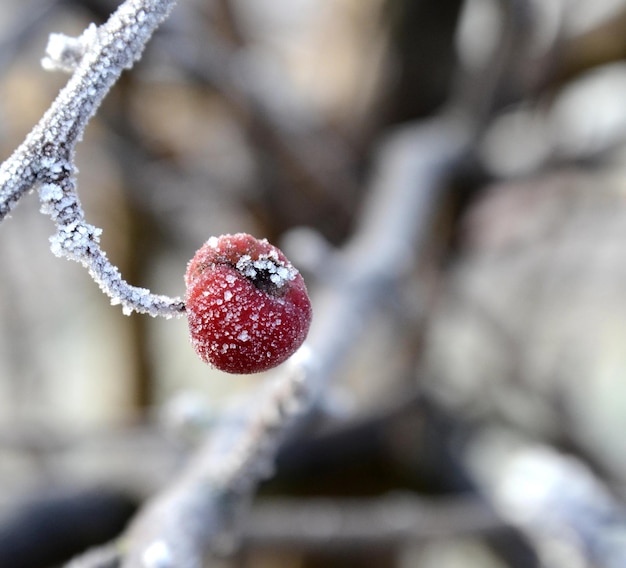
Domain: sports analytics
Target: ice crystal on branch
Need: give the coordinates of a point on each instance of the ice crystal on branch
(46, 158)
(64, 53)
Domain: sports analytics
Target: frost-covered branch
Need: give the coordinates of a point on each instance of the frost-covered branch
(199, 515)
(46, 158)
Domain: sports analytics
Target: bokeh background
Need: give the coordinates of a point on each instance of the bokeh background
(503, 342)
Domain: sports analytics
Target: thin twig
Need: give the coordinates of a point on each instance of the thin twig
(46, 158)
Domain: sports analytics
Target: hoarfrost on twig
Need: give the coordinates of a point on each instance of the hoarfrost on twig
(46, 158)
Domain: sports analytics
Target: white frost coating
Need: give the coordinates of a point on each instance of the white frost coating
(157, 555)
(50, 192)
(46, 157)
(243, 336)
(64, 53)
(279, 272)
(244, 265)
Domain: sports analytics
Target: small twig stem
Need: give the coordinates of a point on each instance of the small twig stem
(46, 157)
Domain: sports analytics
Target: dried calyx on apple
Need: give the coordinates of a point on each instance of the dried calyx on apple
(247, 306)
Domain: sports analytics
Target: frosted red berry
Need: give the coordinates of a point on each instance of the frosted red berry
(247, 306)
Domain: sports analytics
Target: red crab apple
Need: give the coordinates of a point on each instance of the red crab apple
(247, 306)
